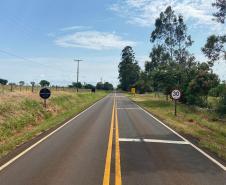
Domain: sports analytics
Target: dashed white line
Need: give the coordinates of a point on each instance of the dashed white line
(195, 147)
(153, 141)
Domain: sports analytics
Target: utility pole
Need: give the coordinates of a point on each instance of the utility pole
(77, 60)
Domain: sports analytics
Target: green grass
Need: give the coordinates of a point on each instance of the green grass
(27, 118)
(201, 124)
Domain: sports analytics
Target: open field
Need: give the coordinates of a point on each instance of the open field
(200, 125)
(28, 88)
(22, 115)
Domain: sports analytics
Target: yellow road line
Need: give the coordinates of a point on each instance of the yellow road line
(118, 178)
(107, 171)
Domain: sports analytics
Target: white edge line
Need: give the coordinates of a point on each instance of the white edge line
(153, 141)
(44, 138)
(198, 149)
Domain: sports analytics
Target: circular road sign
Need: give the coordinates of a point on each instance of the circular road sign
(176, 94)
(93, 90)
(45, 93)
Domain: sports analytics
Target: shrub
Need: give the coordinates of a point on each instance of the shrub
(221, 107)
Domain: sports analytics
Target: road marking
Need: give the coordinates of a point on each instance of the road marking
(44, 138)
(195, 147)
(118, 178)
(129, 108)
(107, 171)
(153, 141)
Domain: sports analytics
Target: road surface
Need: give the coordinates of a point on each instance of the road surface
(113, 142)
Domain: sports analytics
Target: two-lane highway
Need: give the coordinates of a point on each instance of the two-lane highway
(113, 142)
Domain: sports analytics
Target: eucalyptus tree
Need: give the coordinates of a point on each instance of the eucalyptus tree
(214, 48)
(171, 34)
(128, 68)
(220, 15)
(170, 56)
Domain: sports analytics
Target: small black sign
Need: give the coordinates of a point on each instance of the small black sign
(93, 90)
(45, 93)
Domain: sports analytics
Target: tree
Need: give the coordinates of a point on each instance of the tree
(221, 107)
(76, 85)
(214, 48)
(170, 58)
(44, 83)
(171, 34)
(21, 83)
(11, 86)
(128, 69)
(221, 14)
(217, 91)
(3, 82)
(164, 30)
(104, 86)
(159, 57)
(32, 86)
(100, 85)
(108, 86)
(89, 86)
(143, 84)
(199, 87)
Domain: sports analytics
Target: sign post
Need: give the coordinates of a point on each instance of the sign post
(133, 91)
(176, 94)
(93, 90)
(45, 93)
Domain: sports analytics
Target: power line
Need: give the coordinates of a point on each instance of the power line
(29, 60)
(14, 55)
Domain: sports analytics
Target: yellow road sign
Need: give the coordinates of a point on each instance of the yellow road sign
(133, 90)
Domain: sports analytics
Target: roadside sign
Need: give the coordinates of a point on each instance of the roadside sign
(176, 94)
(93, 90)
(133, 90)
(45, 93)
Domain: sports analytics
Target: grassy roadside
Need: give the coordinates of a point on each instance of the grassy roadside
(198, 124)
(23, 117)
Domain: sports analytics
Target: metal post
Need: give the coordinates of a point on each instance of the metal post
(175, 110)
(45, 103)
(77, 72)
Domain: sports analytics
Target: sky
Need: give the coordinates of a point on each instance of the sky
(40, 39)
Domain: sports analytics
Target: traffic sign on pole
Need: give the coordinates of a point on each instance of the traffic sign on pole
(133, 90)
(45, 93)
(176, 95)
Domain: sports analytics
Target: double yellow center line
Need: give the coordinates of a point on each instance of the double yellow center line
(107, 172)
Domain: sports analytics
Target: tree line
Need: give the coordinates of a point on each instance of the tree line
(173, 66)
(100, 86)
(44, 83)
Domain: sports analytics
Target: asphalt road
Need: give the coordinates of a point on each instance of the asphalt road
(113, 142)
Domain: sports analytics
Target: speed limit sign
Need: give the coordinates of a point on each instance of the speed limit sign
(176, 94)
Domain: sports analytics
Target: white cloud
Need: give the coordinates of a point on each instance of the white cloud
(51, 34)
(71, 28)
(93, 40)
(144, 12)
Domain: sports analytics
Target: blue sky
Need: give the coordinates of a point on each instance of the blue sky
(40, 39)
